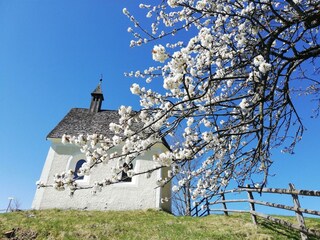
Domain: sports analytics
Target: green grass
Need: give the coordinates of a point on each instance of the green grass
(150, 224)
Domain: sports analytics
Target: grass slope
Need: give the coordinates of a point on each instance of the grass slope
(150, 224)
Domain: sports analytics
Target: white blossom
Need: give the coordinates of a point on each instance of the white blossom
(125, 11)
(175, 189)
(190, 121)
(164, 159)
(135, 89)
(173, 3)
(159, 53)
(262, 65)
(243, 104)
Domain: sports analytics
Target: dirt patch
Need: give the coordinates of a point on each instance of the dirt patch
(20, 234)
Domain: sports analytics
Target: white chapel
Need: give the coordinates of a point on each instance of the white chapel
(138, 192)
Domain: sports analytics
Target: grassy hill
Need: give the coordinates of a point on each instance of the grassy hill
(150, 224)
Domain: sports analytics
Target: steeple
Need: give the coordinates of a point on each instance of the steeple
(97, 98)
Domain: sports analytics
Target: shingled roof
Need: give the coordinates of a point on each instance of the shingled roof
(92, 120)
(83, 121)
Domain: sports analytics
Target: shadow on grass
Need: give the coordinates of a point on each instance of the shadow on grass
(281, 230)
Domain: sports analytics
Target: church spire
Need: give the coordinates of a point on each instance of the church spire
(97, 98)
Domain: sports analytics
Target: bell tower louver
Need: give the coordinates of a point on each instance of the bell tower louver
(97, 98)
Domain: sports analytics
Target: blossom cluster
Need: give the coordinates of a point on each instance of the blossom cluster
(218, 85)
(159, 53)
(225, 80)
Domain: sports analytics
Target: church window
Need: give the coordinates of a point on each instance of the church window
(124, 175)
(76, 170)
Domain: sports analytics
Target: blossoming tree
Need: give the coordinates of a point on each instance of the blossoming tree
(229, 70)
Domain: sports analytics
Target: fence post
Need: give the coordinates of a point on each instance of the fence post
(252, 207)
(224, 204)
(207, 205)
(9, 205)
(299, 215)
(196, 208)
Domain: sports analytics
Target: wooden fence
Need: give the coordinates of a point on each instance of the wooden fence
(204, 207)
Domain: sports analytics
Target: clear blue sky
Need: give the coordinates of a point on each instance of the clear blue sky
(52, 53)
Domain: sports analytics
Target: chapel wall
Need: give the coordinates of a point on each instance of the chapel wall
(141, 193)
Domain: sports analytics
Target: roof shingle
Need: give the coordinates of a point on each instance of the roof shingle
(82, 121)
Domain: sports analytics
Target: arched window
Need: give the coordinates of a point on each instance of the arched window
(124, 175)
(76, 170)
